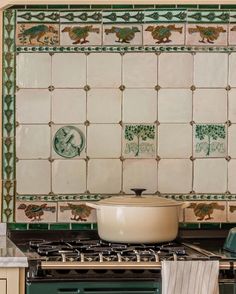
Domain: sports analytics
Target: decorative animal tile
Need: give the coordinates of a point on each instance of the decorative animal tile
(36, 212)
(80, 34)
(231, 211)
(139, 140)
(206, 34)
(163, 34)
(206, 211)
(76, 212)
(210, 140)
(122, 34)
(232, 34)
(35, 34)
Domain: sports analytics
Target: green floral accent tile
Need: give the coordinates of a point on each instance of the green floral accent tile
(81, 16)
(44, 16)
(139, 141)
(210, 140)
(208, 16)
(133, 16)
(165, 16)
(55, 198)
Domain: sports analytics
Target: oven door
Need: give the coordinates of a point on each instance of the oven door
(130, 287)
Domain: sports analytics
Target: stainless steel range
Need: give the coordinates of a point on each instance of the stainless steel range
(72, 262)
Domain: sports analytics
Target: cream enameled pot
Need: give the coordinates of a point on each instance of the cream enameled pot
(137, 219)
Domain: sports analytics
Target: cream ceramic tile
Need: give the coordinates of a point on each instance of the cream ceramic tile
(68, 176)
(231, 211)
(140, 173)
(33, 70)
(206, 211)
(206, 34)
(232, 34)
(163, 34)
(99, 101)
(232, 70)
(139, 141)
(69, 141)
(232, 141)
(33, 141)
(144, 101)
(104, 176)
(210, 176)
(104, 70)
(232, 105)
(210, 105)
(140, 70)
(82, 35)
(175, 70)
(231, 176)
(69, 70)
(68, 106)
(174, 106)
(206, 69)
(36, 212)
(74, 212)
(175, 140)
(104, 141)
(33, 106)
(175, 176)
(36, 182)
(122, 34)
(210, 140)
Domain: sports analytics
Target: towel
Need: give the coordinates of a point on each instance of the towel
(190, 277)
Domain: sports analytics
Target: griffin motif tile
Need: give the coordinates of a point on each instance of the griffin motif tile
(163, 34)
(122, 34)
(76, 212)
(210, 140)
(36, 212)
(206, 34)
(139, 141)
(232, 34)
(80, 34)
(34, 34)
(206, 211)
(231, 211)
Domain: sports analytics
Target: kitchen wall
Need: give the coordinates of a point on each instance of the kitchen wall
(99, 101)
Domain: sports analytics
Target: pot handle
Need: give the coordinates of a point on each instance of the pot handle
(93, 205)
(138, 192)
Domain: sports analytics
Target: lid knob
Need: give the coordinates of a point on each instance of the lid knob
(138, 192)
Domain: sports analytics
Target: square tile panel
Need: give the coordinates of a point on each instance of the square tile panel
(139, 106)
(175, 140)
(210, 176)
(33, 70)
(68, 106)
(210, 70)
(232, 141)
(28, 212)
(139, 140)
(232, 70)
(174, 106)
(33, 142)
(231, 211)
(206, 34)
(206, 211)
(210, 105)
(104, 176)
(104, 70)
(140, 70)
(209, 140)
(68, 141)
(175, 175)
(175, 70)
(33, 106)
(68, 176)
(36, 182)
(76, 212)
(232, 34)
(104, 141)
(80, 34)
(232, 105)
(231, 176)
(69, 70)
(163, 34)
(119, 34)
(140, 173)
(99, 101)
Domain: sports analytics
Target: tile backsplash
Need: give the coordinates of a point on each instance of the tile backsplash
(98, 102)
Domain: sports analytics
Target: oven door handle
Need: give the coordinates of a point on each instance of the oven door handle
(68, 291)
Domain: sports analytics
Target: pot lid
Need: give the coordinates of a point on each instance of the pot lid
(139, 200)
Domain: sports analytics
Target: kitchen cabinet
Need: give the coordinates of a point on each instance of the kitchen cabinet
(12, 280)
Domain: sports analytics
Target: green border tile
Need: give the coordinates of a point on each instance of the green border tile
(79, 6)
(59, 226)
(211, 226)
(208, 6)
(122, 6)
(187, 6)
(17, 7)
(38, 226)
(228, 226)
(36, 7)
(87, 226)
(17, 226)
(58, 6)
(139, 6)
(101, 6)
(189, 226)
(228, 6)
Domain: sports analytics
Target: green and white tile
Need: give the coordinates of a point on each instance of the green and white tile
(211, 16)
(120, 16)
(30, 16)
(167, 16)
(80, 16)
